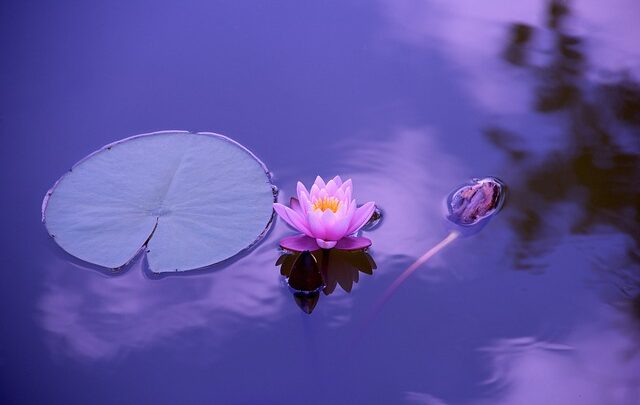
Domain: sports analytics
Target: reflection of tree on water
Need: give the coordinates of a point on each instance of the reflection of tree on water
(598, 165)
(308, 273)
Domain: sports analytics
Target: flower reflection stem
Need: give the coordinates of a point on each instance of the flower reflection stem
(453, 235)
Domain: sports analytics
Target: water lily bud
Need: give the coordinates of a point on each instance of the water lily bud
(474, 203)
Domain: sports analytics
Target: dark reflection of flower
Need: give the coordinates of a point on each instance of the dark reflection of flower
(597, 168)
(309, 273)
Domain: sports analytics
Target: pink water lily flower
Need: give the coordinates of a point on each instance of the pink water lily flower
(326, 215)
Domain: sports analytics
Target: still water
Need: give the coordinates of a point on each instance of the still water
(408, 98)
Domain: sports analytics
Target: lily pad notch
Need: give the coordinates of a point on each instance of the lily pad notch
(190, 200)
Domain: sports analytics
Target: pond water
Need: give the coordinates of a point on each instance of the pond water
(408, 98)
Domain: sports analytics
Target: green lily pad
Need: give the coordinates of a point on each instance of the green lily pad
(192, 199)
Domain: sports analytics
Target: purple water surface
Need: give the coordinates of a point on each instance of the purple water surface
(410, 99)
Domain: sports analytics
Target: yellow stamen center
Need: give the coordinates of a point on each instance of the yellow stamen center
(327, 203)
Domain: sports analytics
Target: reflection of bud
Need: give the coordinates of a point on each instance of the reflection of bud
(306, 281)
(306, 301)
(470, 204)
(305, 273)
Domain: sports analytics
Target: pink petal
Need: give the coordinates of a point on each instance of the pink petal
(291, 217)
(347, 185)
(338, 181)
(299, 243)
(305, 203)
(337, 229)
(314, 192)
(295, 205)
(301, 189)
(332, 187)
(316, 225)
(302, 193)
(347, 188)
(319, 182)
(353, 243)
(328, 219)
(326, 244)
(360, 217)
(351, 210)
(343, 209)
